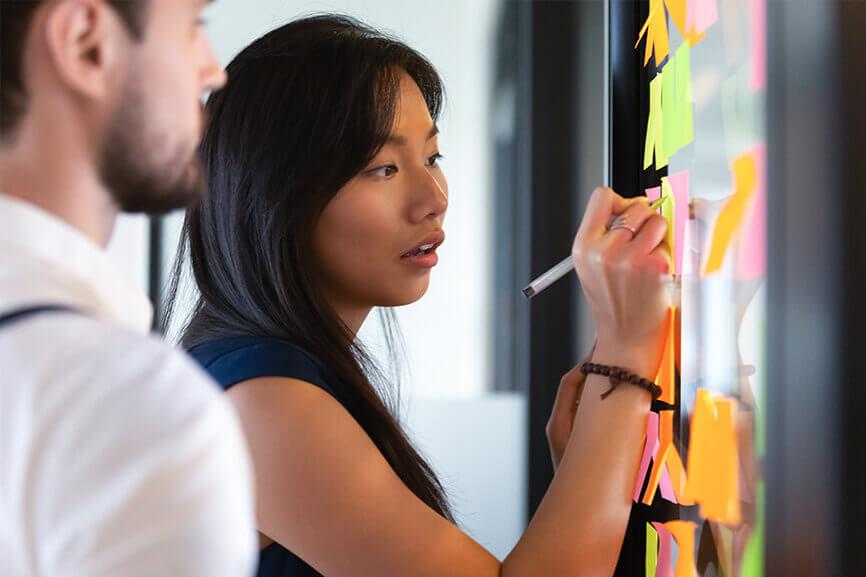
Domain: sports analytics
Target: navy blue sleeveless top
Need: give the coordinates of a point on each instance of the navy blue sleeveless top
(235, 359)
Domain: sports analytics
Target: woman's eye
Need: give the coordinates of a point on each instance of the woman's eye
(434, 160)
(384, 171)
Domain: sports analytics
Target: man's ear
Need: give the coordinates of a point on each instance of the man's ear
(84, 42)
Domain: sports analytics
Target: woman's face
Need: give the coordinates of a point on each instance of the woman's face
(375, 243)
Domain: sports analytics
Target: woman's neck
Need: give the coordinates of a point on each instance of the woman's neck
(352, 316)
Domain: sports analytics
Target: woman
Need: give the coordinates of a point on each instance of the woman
(326, 200)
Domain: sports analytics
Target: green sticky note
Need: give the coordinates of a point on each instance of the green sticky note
(684, 92)
(670, 110)
(655, 124)
(677, 102)
(753, 556)
(652, 550)
(668, 213)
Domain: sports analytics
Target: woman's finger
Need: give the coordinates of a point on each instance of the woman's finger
(660, 259)
(603, 204)
(650, 235)
(628, 224)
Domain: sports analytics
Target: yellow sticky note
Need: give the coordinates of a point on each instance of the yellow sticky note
(652, 550)
(684, 534)
(731, 216)
(655, 126)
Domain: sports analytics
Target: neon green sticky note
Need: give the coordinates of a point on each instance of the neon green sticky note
(677, 102)
(753, 556)
(654, 131)
(668, 213)
(670, 110)
(652, 550)
(684, 95)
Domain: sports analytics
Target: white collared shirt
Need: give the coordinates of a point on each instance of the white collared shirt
(118, 456)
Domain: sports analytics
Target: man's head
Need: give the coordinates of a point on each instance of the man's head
(120, 78)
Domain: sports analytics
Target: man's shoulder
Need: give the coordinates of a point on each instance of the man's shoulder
(83, 362)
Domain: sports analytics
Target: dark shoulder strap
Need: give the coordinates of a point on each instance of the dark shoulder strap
(23, 313)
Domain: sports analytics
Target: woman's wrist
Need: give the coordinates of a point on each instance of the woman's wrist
(642, 361)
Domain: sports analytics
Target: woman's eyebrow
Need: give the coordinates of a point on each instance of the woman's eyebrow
(400, 140)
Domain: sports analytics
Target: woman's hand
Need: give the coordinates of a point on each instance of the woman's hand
(561, 419)
(623, 273)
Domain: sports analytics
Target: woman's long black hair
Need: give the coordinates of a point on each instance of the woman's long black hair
(306, 107)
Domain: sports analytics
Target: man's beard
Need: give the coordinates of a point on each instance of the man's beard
(141, 177)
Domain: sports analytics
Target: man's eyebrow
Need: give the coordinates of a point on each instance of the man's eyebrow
(399, 140)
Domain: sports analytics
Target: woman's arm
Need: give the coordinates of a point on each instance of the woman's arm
(579, 525)
(326, 493)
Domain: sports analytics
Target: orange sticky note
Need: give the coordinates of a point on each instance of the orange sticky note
(713, 474)
(666, 375)
(731, 216)
(667, 456)
(684, 534)
(683, 16)
(656, 31)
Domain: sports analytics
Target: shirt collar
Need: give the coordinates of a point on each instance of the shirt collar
(47, 261)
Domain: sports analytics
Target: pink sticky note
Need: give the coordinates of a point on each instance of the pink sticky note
(758, 25)
(654, 193)
(752, 256)
(666, 487)
(700, 15)
(680, 186)
(650, 449)
(664, 565)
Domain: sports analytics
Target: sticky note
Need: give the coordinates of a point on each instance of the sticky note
(666, 487)
(652, 546)
(731, 216)
(753, 556)
(666, 375)
(752, 255)
(651, 446)
(713, 473)
(655, 29)
(679, 189)
(683, 69)
(700, 15)
(676, 95)
(758, 26)
(667, 210)
(655, 127)
(683, 533)
(667, 457)
(653, 193)
(664, 563)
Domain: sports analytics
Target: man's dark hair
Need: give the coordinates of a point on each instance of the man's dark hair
(15, 19)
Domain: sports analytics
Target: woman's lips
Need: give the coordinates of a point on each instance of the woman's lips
(425, 260)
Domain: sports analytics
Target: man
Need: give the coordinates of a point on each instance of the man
(117, 456)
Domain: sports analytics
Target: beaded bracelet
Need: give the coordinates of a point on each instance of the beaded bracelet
(617, 376)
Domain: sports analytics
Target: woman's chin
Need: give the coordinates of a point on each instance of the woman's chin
(405, 297)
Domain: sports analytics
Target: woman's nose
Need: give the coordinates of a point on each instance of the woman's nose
(431, 199)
